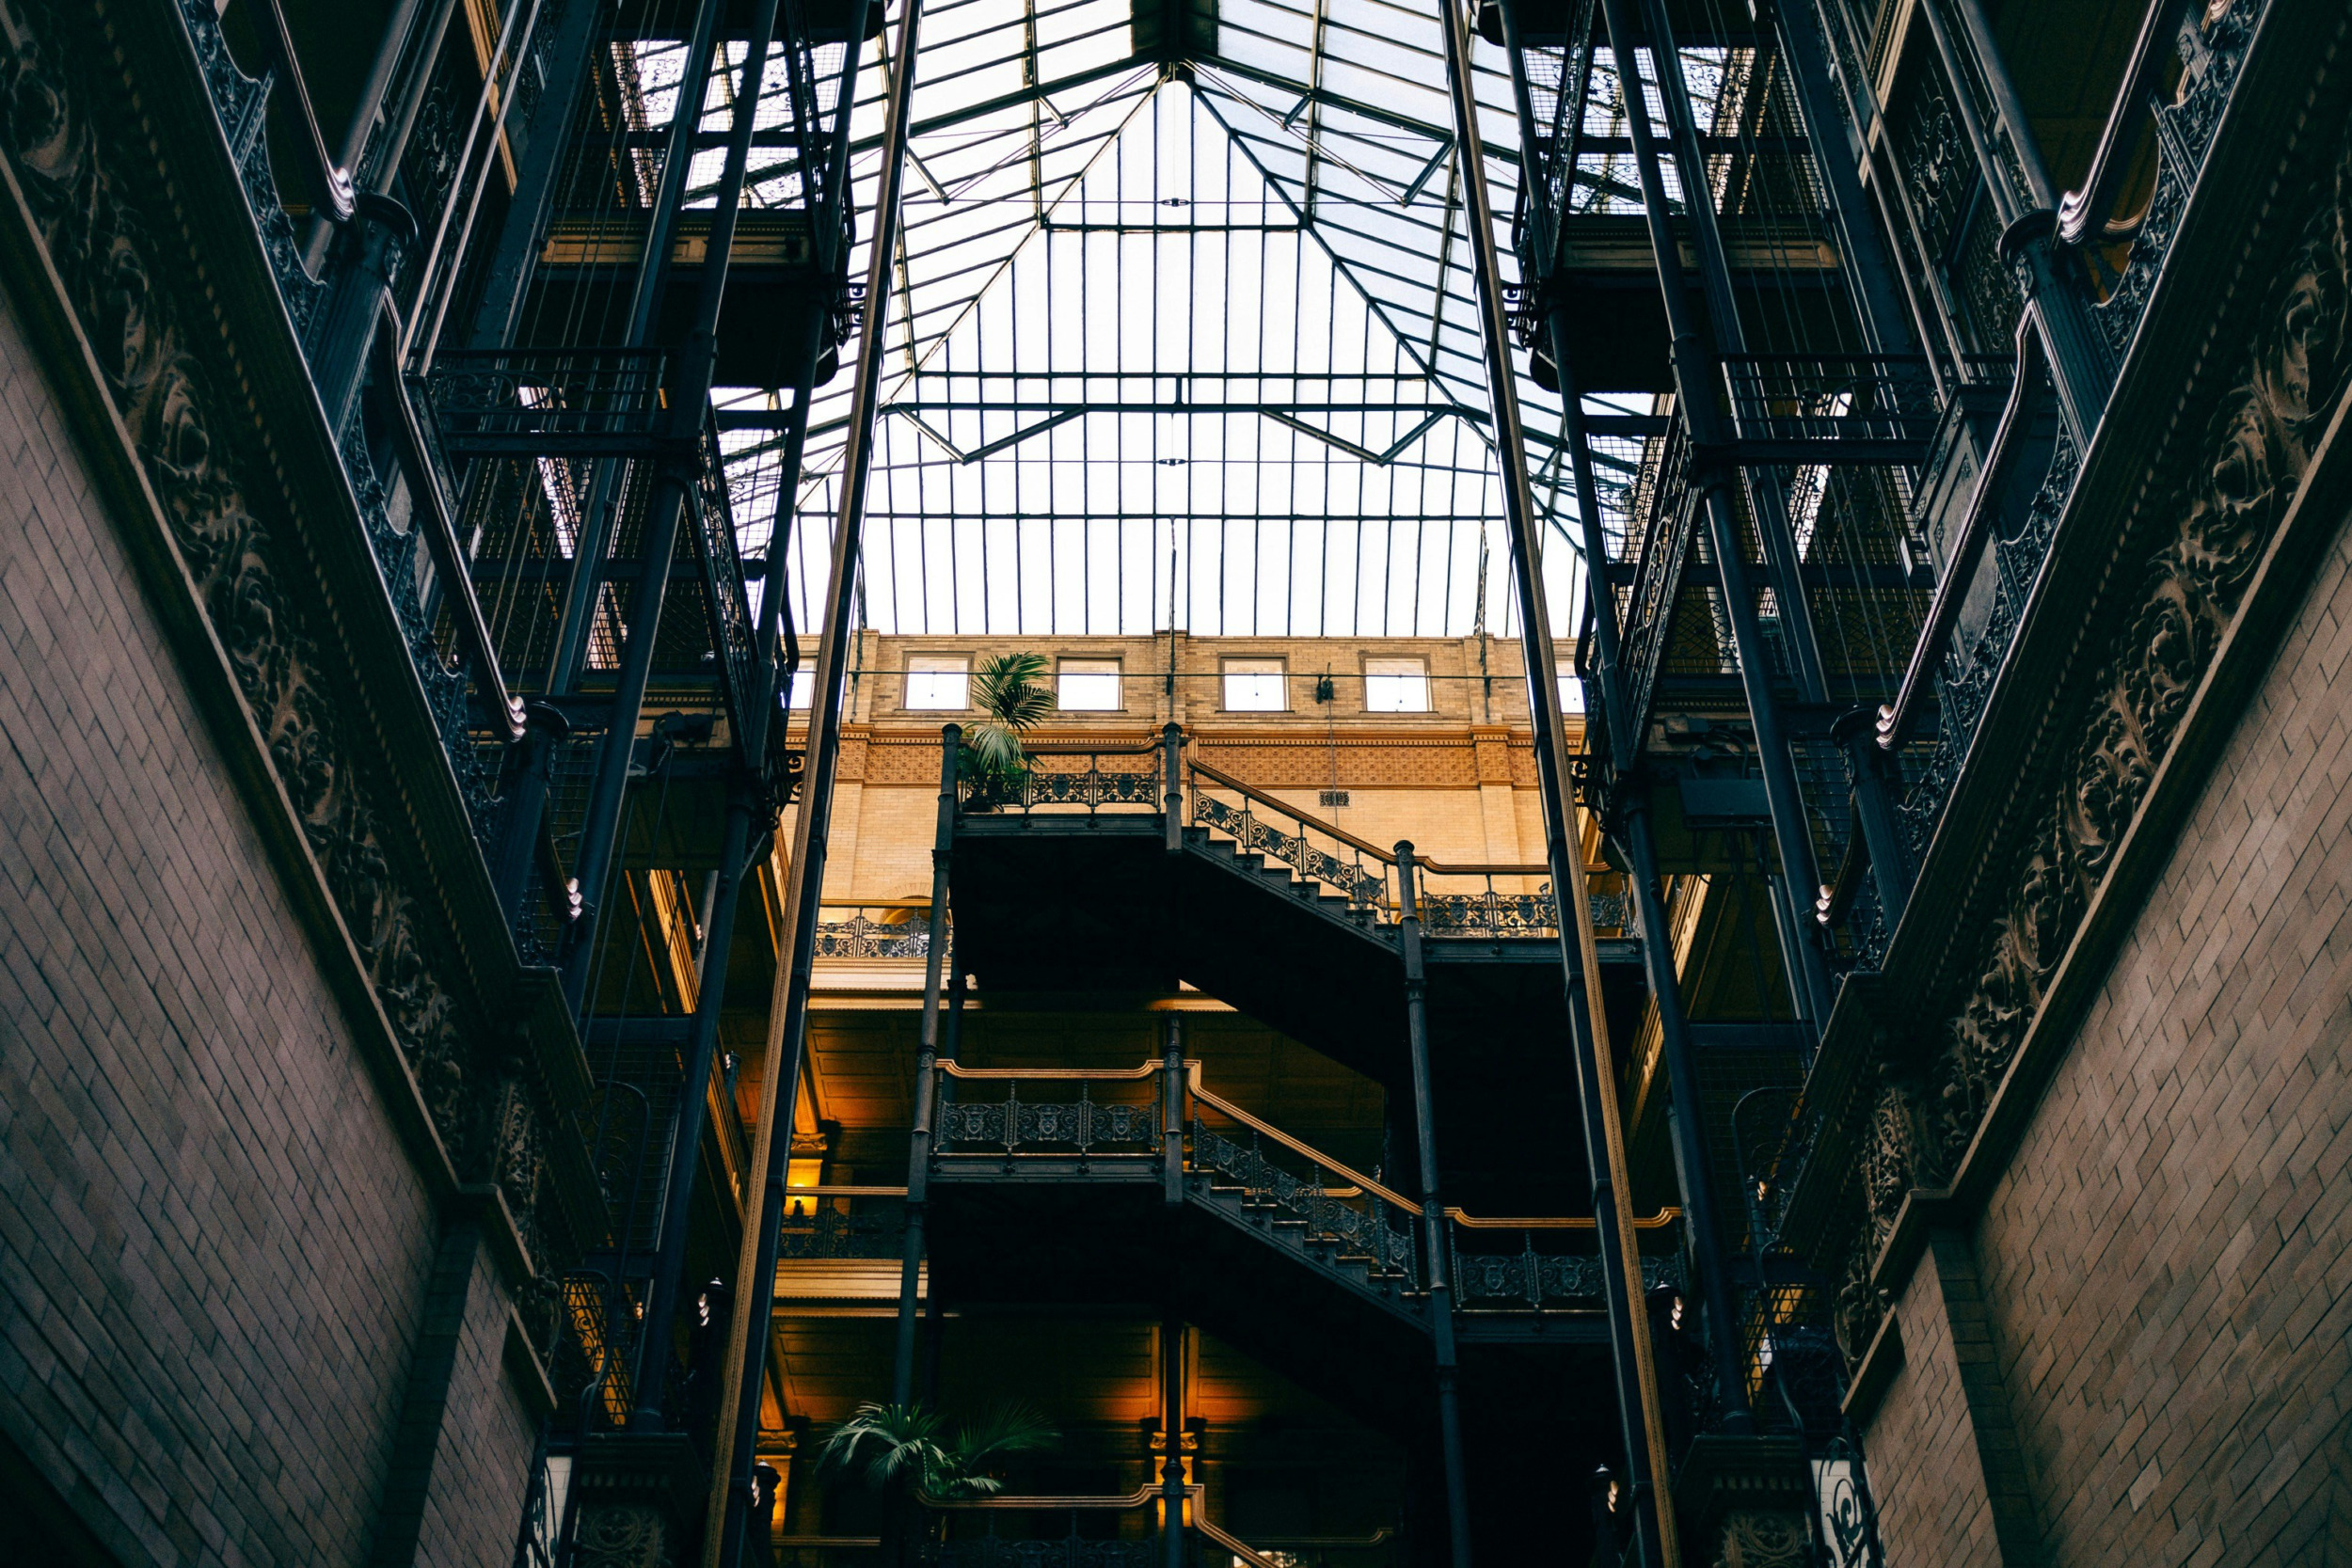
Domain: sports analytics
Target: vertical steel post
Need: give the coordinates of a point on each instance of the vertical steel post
(1768, 504)
(1172, 1110)
(1696, 395)
(1686, 1126)
(674, 491)
(926, 1074)
(1436, 1263)
(788, 1016)
(1870, 272)
(1172, 783)
(734, 846)
(1580, 959)
(1173, 1433)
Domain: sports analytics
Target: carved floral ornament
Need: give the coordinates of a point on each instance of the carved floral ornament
(105, 207)
(2257, 443)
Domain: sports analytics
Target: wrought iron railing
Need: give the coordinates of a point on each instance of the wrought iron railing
(396, 485)
(830, 1222)
(1321, 854)
(1289, 1182)
(547, 403)
(1072, 777)
(1065, 1111)
(734, 638)
(1663, 510)
(1495, 901)
(2210, 44)
(891, 930)
(1546, 1265)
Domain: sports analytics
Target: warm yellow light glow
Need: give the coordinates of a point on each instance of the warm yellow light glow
(798, 1176)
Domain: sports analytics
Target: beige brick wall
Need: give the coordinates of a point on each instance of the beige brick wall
(212, 1248)
(1459, 781)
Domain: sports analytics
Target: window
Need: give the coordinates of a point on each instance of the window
(1396, 686)
(804, 689)
(1088, 686)
(1571, 695)
(937, 681)
(1255, 686)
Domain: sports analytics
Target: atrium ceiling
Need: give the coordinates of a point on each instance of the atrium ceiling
(1181, 331)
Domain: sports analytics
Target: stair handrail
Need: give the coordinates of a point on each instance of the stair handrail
(957, 1070)
(1243, 1553)
(1659, 1221)
(1387, 857)
(1141, 1497)
(2084, 211)
(1267, 1130)
(1195, 1494)
(1307, 818)
(1087, 748)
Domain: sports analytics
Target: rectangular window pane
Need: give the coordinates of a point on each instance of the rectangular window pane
(1088, 685)
(936, 681)
(1255, 686)
(804, 689)
(1571, 695)
(1396, 686)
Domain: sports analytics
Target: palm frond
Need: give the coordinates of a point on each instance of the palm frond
(1011, 689)
(887, 1445)
(1009, 1429)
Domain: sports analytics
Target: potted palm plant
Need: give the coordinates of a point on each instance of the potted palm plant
(908, 1454)
(1013, 698)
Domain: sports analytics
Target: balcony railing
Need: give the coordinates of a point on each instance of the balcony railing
(548, 403)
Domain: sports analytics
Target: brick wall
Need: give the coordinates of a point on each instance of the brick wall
(212, 1248)
(2167, 1260)
(473, 1506)
(1933, 1507)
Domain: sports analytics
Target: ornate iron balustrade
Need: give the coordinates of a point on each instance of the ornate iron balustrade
(1013, 1127)
(1330, 1204)
(395, 481)
(734, 638)
(1494, 915)
(547, 403)
(1542, 1278)
(1365, 891)
(1663, 510)
(1962, 663)
(1053, 778)
(861, 936)
(841, 1223)
(1070, 1551)
(2212, 50)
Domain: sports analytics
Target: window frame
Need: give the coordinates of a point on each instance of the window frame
(916, 664)
(1420, 672)
(1279, 673)
(1113, 669)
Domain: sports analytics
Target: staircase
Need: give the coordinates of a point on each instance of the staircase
(1344, 1241)
(1079, 884)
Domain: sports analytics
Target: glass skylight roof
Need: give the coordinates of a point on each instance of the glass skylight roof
(1191, 339)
